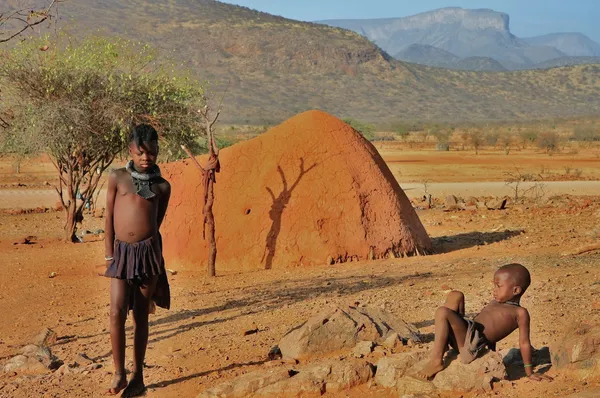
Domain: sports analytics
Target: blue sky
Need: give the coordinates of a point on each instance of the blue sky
(527, 17)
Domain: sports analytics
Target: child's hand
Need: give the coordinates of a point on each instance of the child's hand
(539, 377)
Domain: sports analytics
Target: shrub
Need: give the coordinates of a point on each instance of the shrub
(548, 141)
(585, 134)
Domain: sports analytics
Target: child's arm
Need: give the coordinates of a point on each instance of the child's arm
(109, 229)
(523, 321)
(163, 204)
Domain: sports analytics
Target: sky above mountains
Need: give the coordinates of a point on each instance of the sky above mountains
(527, 17)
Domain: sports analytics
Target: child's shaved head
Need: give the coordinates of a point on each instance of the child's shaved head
(518, 273)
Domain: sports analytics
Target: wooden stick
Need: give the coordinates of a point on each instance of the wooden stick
(189, 153)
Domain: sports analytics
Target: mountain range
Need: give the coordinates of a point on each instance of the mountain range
(450, 37)
(272, 68)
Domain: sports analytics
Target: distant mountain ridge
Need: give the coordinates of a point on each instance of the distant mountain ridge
(272, 68)
(572, 44)
(466, 33)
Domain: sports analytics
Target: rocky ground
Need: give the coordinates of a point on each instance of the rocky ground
(203, 340)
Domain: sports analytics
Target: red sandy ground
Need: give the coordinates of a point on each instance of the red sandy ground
(199, 342)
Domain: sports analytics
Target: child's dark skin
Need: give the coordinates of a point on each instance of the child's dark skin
(498, 319)
(131, 218)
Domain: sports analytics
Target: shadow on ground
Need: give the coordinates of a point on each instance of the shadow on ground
(269, 297)
(447, 244)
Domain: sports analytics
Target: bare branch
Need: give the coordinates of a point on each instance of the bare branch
(43, 15)
(191, 156)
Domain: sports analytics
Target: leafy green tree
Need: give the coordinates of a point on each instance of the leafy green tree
(365, 129)
(76, 101)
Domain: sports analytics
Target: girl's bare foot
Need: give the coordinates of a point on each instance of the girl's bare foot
(119, 382)
(136, 386)
(431, 369)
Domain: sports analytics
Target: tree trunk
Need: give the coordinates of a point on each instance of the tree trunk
(210, 220)
(71, 224)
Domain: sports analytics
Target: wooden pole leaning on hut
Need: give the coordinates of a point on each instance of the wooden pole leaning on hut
(208, 175)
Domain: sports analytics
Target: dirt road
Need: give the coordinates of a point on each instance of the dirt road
(31, 198)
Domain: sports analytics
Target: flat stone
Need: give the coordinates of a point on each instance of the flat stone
(478, 375)
(392, 368)
(363, 348)
(341, 328)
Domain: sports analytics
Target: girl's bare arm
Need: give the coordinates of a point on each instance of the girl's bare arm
(109, 230)
(163, 203)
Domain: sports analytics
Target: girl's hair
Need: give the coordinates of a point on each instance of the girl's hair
(143, 133)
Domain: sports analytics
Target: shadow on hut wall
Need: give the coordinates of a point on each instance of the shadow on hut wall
(447, 244)
(277, 208)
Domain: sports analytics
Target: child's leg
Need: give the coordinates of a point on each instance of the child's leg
(119, 294)
(448, 325)
(143, 295)
(456, 302)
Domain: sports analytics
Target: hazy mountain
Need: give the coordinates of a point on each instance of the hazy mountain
(572, 44)
(484, 64)
(567, 61)
(426, 55)
(273, 68)
(432, 56)
(464, 33)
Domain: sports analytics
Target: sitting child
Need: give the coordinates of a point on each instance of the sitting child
(496, 321)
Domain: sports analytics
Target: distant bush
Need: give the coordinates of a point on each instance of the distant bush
(585, 134)
(402, 131)
(548, 141)
(476, 139)
(442, 146)
(528, 137)
(365, 129)
(491, 138)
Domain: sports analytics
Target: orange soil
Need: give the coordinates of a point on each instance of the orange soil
(200, 342)
(306, 190)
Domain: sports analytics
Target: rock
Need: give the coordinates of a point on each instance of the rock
(496, 204)
(330, 376)
(412, 386)
(330, 260)
(45, 338)
(471, 201)
(393, 342)
(363, 348)
(390, 369)
(451, 203)
(514, 362)
(83, 360)
(347, 374)
(342, 328)
(578, 350)
(274, 353)
(25, 365)
(247, 384)
(478, 375)
(64, 369)
(480, 206)
(52, 275)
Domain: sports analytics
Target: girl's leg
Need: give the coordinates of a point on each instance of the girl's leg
(456, 302)
(448, 325)
(143, 295)
(119, 294)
